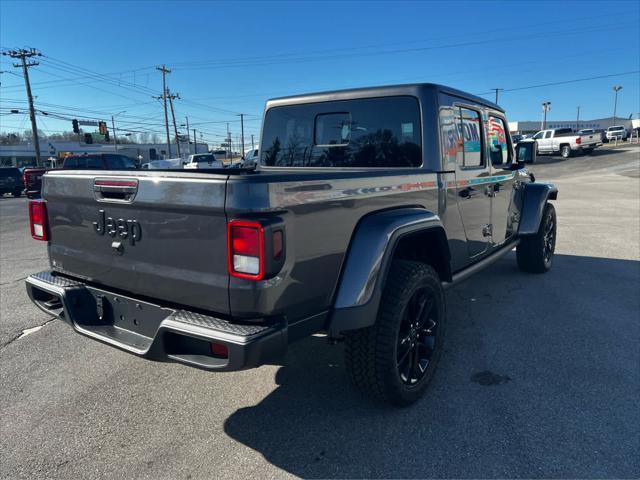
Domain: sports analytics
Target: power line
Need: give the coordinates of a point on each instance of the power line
(564, 82)
(265, 60)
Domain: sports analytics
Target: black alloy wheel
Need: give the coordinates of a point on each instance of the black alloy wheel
(417, 337)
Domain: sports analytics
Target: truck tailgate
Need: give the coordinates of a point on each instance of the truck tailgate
(154, 234)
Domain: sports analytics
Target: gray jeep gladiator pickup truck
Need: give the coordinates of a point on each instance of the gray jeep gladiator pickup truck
(365, 206)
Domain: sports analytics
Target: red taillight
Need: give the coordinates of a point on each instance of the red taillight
(38, 220)
(578, 140)
(245, 243)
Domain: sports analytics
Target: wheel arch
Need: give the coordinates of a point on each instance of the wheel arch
(536, 196)
(405, 233)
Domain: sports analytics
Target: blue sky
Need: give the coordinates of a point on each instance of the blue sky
(230, 57)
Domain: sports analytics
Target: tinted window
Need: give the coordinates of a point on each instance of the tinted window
(498, 146)
(209, 157)
(333, 129)
(10, 172)
(70, 162)
(119, 162)
(94, 163)
(380, 132)
(563, 131)
(538, 135)
(548, 134)
(472, 135)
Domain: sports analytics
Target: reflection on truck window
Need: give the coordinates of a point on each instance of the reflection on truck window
(498, 146)
(380, 132)
(472, 138)
(461, 132)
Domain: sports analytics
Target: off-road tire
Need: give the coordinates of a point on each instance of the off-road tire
(372, 353)
(565, 151)
(532, 253)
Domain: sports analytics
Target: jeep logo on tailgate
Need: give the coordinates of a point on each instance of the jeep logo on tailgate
(123, 228)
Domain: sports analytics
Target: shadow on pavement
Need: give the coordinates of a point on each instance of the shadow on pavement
(539, 379)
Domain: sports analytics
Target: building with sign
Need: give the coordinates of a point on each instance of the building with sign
(597, 124)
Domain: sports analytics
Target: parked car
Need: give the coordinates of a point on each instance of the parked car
(617, 131)
(251, 157)
(220, 154)
(350, 224)
(32, 180)
(98, 161)
(10, 181)
(203, 160)
(565, 142)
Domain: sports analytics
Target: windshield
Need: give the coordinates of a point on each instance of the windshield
(615, 128)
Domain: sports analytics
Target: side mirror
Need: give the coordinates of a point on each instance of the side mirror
(525, 153)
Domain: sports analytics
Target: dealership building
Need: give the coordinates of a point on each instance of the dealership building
(597, 124)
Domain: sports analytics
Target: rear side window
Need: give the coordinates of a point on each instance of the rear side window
(472, 135)
(376, 132)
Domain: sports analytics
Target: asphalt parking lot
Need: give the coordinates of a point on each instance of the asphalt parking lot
(540, 377)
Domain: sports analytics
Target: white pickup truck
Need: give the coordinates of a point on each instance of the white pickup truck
(565, 141)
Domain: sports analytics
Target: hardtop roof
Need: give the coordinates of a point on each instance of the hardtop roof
(413, 89)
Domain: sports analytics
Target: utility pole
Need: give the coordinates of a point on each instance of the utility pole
(616, 89)
(497, 90)
(188, 136)
(115, 144)
(195, 142)
(546, 106)
(252, 146)
(164, 71)
(173, 116)
(242, 135)
(578, 119)
(229, 147)
(23, 54)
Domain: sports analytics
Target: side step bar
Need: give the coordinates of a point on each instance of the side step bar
(155, 332)
(462, 275)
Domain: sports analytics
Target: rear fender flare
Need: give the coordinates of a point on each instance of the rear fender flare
(368, 259)
(535, 198)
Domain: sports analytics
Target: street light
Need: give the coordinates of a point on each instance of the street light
(616, 89)
(113, 125)
(546, 106)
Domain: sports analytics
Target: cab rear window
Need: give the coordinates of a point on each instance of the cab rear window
(376, 132)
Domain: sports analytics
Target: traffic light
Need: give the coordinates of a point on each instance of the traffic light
(102, 128)
(88, 139)
(76, 128)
